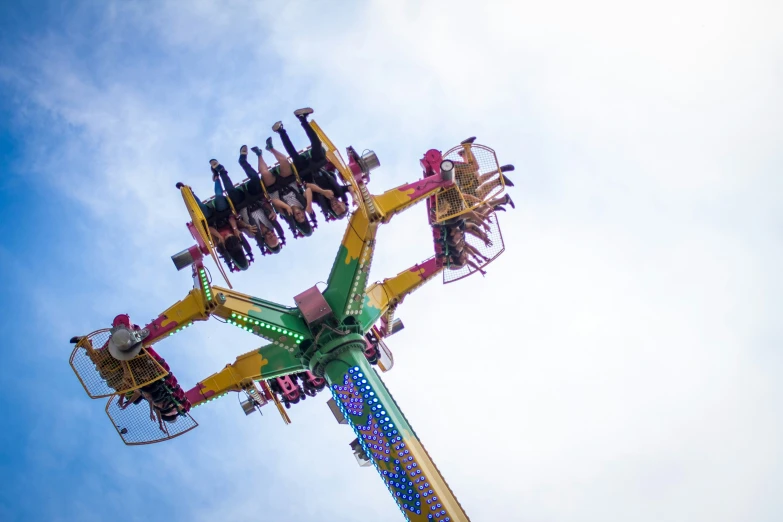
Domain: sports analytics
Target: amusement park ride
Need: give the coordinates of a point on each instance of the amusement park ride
(331, 338)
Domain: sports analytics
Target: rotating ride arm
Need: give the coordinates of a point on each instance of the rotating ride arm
(264, 363)
(382, 298)
(280, 325)
(345, 287)
(345, 290)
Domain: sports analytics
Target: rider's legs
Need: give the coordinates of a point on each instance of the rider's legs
(317, 152)
(282, 159)
(263, 168)
(254, 185)
(299, 161)
(221, 203)
(236, 195)
(207, 211)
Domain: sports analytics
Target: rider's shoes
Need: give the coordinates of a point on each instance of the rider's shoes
(180, 184)
(301, 114)
(467, 141)
(277, 126)
(256, 150)
(269, 145)
(507, 182)
(509, 201)
(75, 339)
(507, 168)
(243, 150)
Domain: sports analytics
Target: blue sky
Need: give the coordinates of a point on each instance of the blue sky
(621, 359)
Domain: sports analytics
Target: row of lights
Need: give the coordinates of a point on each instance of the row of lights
(180, 328)
(210, 399)
(248, 323)
(361, 275)
(409, 487)
(205, 284)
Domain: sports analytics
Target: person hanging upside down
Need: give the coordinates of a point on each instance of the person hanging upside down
(224, 227)
(265, 235)
(330, 195)
(459, 231)
(478, 216)
(264, 218)
(286, 195)
(497, 204)
(458, 260)
(164, 410)
(470, 180)
(129, 398)
(161, 406)
(316, 172)
(459, 245)
(294, 205)
(305, 166)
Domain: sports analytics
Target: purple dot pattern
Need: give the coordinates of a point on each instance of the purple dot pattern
(380, 439)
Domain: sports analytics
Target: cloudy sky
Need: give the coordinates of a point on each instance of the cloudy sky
(620, 361)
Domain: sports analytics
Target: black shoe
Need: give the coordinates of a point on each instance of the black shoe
(75, 339)
(507, 182)
(507, 168)
(269, 145)
(256, 150)
(243, 150)
(469, 140)
(180, 184)
(509, 201)
(277, 126)
(301, 114)
(499, 207)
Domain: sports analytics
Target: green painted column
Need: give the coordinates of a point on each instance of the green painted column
(405, 466)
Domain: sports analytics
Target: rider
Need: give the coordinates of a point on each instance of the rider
(161, 406)
(457, 243)
(467, 173)
(458, 259)
(263, 217)
(266, 235)
(224, 226)
(286, 195)
(497, 204)
(316, 172)
(458, 231)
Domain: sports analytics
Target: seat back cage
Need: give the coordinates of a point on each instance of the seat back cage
(102, 375)
(134, 426)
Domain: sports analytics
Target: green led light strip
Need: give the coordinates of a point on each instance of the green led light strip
(205, 284)
(249, 325)
(179, 329)
(210, 399)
